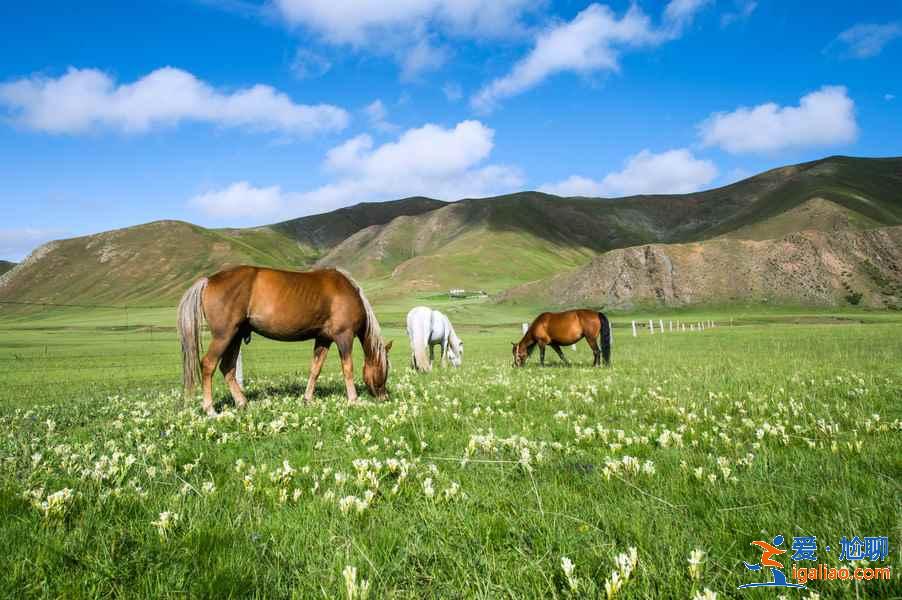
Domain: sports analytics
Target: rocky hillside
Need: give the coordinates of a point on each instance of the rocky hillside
(825, 268)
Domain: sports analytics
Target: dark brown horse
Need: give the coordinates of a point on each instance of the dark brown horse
(564, 329)
(327, 306)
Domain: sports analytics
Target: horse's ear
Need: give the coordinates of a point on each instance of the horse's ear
(514, 344)
(388, 345)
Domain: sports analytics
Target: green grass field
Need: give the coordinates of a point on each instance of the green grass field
(475, 482)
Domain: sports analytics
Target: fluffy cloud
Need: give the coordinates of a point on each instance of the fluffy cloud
(671, 172)
(240, 200)
(405, 29)
(822, 118)
(84, 99)
(592, 41)
(868, 39)
(431, 160)
(360, 23)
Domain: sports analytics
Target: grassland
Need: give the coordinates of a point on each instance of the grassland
(467, 483)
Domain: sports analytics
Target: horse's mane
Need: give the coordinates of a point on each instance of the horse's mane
(372, 338)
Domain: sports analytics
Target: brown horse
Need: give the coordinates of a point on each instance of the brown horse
(564, 329)
(327, 306)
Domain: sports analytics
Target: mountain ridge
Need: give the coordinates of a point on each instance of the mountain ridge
(419, 244)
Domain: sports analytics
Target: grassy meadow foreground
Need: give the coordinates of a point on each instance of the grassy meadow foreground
(480, 482)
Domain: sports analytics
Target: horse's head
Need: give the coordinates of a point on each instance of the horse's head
(520, 354)
(375, 373)
(456, 351)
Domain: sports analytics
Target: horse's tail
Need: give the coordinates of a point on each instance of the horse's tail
(190, 321)
(605, 338)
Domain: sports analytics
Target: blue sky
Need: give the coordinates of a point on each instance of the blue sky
(234, 113)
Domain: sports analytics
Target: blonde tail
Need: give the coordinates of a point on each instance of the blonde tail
(190, 322)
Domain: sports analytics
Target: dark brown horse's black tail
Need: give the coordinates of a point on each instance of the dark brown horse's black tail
(605, 339)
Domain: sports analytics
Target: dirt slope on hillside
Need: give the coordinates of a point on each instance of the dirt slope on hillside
(810, 267)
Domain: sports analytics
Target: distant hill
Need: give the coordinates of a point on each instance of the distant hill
(154, 262)
(494, 242)
(5, 266)
(420, 244)
(826, 268)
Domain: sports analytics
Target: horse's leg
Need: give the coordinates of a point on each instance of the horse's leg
(345, 343)
(228, 366)
(320, 349)
(217, 348)
(444, 353)
(431, 353)
(557, 349)
(541, 354)
(596, 353)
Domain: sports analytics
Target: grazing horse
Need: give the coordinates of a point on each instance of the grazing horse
(327, 306)
(564, 329)
(427, 327)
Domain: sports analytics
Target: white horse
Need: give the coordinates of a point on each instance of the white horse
(430, 328)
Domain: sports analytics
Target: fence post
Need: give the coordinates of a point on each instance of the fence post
(651, 327)
(634, 329)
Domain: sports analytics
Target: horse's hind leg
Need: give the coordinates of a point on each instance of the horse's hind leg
(228, 367)
(218, 347)
(596, 353)
(320, 349)
(557, 349)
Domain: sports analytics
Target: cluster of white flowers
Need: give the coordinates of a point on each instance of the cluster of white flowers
(628, 465)
(54, 505)
(568, 567)
(696, 563)
(355, 590)
(626, 564)
(166, 523)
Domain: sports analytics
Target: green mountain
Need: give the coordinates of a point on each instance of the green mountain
(5, 266)
(418, 244)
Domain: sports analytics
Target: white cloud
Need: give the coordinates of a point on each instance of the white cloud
(85, 99)
(680, 13)
(359, 23)
(240, 200)
(743, 10)
(446, 163)
(822, 118)
(671, 172)
(592, 41)
(868, 39)
(307, 64)
(405, 29)
(16, 244)
(377, 115)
